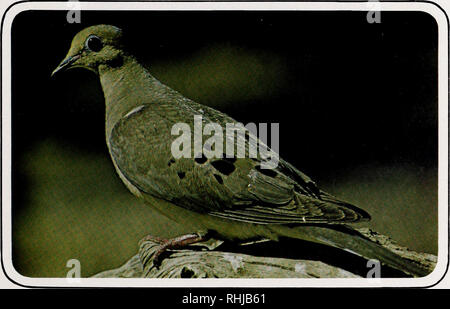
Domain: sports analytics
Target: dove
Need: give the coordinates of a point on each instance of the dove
(232, 199)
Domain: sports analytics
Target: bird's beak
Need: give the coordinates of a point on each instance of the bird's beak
(66, 63)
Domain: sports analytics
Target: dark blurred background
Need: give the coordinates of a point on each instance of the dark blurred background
(356, 103)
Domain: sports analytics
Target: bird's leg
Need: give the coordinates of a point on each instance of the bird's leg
(173, 243)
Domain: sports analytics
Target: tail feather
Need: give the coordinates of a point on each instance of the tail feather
(348, 239)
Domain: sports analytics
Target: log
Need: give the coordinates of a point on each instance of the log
(287, 258)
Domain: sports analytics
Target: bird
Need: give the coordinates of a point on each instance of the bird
(232, 199)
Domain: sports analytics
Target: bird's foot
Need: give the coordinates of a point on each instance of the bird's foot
(172, 243)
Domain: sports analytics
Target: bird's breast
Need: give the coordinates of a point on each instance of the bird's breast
(133, 189)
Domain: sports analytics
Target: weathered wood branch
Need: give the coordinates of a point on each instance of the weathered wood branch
(288, 258)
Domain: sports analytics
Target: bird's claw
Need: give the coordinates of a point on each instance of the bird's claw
(173, 243)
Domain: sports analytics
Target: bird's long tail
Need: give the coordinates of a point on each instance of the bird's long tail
(352, 241)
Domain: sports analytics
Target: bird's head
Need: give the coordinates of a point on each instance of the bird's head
(92, 47)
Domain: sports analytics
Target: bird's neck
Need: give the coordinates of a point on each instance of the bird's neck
(128, 86)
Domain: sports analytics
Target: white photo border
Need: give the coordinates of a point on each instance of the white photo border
(435, 10)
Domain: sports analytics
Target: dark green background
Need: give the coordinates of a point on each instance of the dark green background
(356, 103)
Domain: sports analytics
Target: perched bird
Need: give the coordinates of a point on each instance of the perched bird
(229, 198)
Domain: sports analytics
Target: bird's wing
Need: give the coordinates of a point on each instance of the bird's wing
(233, 188)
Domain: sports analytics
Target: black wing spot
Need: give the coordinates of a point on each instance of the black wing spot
(268, 159)
(181, 174)
(231, 160)
(219, 179)
(201, 160)
(223, 166)
(171, 161)
(266, 171)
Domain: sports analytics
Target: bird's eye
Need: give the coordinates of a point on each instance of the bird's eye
(93, 43)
